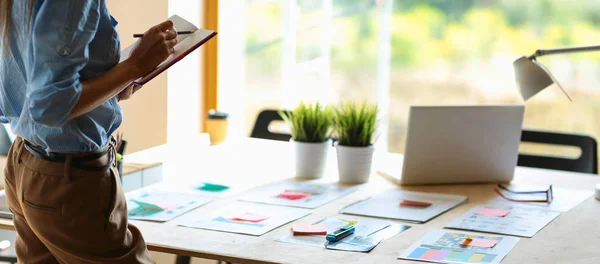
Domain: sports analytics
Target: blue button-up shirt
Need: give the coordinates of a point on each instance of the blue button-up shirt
(68, 41)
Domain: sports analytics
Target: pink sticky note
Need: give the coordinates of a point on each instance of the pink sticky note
(419, 201)
(479, 242)
(307, 229)
(492, 212)
(416, 202)
(293, 195)
(249, 217)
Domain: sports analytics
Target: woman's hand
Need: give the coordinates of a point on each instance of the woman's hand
(128, 92)
(154, 47)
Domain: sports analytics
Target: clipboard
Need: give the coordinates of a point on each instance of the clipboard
(186, 44)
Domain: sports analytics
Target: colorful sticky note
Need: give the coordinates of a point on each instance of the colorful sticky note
(416, 202)
(349, 222)
(293, 195)
(429, 254)
(250, 217)
(211, 187)
(477, 257)
(148, 206)
(479, 242)
(308, 229)
(492, 212)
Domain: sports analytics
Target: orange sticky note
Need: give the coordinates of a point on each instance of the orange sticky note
(479, 242)
(416, 202)
(307, 229)
(293, 195)
(492, 212)
(249, 217)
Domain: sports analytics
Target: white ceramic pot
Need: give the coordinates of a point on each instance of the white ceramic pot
(354, 163)
(311, 159)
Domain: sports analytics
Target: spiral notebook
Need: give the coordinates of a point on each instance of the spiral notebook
(186, 44)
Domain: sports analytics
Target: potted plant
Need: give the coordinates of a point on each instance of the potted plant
(310, 126)
(355, 129)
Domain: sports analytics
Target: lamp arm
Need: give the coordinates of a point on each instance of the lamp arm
(562, 50)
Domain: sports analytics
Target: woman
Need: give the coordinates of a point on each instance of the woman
(60, 79)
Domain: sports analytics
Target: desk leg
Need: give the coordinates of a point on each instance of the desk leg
(183, 260)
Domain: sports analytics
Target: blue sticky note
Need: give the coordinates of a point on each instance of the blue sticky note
(418, 253)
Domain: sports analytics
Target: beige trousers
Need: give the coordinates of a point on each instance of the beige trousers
(64, 214)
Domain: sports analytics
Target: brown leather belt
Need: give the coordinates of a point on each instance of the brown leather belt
(78, 160)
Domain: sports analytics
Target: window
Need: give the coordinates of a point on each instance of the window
(402, 53)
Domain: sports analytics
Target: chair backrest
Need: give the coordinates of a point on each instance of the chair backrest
(5, 141)
(586, 163)
(261, 127)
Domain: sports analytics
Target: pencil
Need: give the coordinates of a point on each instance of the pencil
(178, 33)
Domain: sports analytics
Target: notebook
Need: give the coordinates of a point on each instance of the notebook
(185, 45)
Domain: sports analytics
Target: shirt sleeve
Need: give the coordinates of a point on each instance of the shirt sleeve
(61, 33)
(3, 118)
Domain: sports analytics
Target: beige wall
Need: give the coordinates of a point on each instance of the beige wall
(145, 120)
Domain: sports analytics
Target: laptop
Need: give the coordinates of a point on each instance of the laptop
(457, 144)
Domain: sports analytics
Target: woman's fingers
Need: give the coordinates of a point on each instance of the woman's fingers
(156, 46)
(171, 43)
(169, 35)
(127, 93)
(165, 26)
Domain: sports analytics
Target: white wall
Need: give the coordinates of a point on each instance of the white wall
(231, 79)
(183, 103)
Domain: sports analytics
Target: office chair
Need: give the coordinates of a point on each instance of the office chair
(586, 163)
(261, 126)
(4, 141)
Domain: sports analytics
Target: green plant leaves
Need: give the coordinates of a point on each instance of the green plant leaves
(309, 122)
(354, 125)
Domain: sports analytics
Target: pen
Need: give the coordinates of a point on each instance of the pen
(340, 233)
(178, 33)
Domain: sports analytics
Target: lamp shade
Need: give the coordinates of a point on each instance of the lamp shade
(531, 77)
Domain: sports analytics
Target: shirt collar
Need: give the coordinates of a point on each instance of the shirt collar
(114, 21)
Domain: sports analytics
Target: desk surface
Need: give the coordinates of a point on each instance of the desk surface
(572, 237)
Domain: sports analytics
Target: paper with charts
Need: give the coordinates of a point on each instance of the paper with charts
(444, 246)
(214, 189)
(402, 205)
(508, 220)
(369, 233)
(564, 200)
(245, 218)
(161, 206)
(297, 194)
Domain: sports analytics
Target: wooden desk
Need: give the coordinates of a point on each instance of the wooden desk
(573, 236)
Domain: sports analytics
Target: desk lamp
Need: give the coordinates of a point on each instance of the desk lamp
(532, 76)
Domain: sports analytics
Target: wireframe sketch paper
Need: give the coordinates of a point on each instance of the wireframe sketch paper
(564, 200)
(185, 45)
(161, 206)
(245, 218)
(443, 246)
(297, 194)
(388, 205)
(369, 233)
(524, 222)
